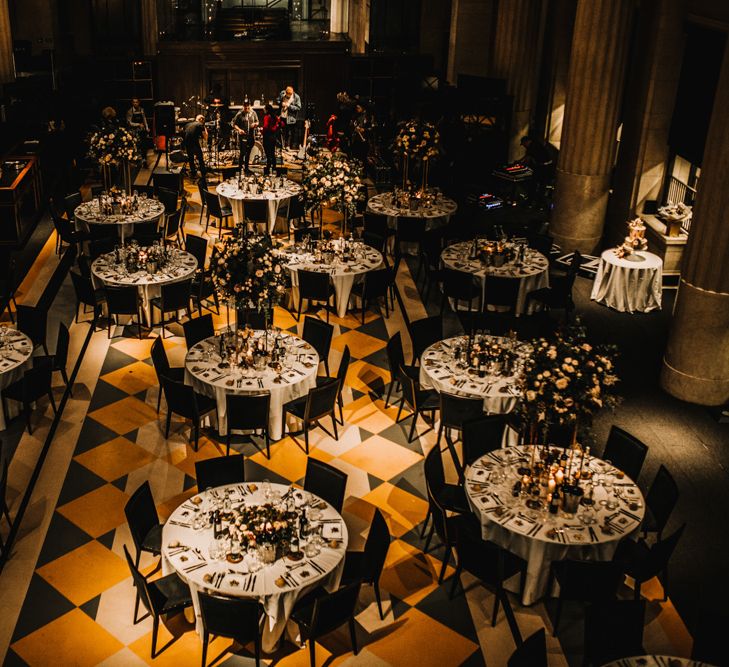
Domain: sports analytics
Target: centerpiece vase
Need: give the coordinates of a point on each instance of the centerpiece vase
(405, 164)
(424, 185)
(126, 172)
(106, 176)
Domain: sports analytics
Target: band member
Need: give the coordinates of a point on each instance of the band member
(195, 131)
(359, 137)
(290, 105)
(244, 124)
(108, 118)
(217, 120)
(136, 118)
(271, 126)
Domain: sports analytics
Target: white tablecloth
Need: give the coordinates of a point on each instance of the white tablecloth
(105, 272)
(277, 601)
(656, 661)
(505, 519)
(230, 191)
(629, 285)
(532, 275)
(343, 273)
(149, 210)
(438, 212)
(206, 378)
(16, 350)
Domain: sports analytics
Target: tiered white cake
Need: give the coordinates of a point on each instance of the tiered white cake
(635, 240)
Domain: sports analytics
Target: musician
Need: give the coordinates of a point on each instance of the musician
(108, 118)
(359, 133)
(136, 118)
(192, 134)
(271, 127)
(290, 105)
(217, 118)
(244, 124)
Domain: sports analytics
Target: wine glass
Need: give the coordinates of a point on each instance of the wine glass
(266, 488)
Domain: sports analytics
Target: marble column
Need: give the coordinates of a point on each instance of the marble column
(516, 45)
(150, 31)
(594, 93)
(471, 32)
(696, 361)
(338, 17)
(7, 65)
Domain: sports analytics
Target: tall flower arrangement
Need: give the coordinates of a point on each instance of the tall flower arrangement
(567, 380)
(417, 140)
(112, 145)
(332, 178)
(249, 271)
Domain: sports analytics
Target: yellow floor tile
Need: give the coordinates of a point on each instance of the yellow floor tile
(365, 377)
(115, 458)
(98, 511)
(133, 378)
(361, 345)
(139, 349)
(71, 639)
(369, 415)
(85, 572)
(380, 457)
(402, 510)
(288, 458)
(125, 415)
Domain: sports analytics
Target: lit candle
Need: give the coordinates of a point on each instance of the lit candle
(559, 476)
(525, 481)
(551, 484)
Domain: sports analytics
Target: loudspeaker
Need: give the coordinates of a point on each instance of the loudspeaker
(164, 119)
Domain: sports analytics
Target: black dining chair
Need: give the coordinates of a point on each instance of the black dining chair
(185, 401)
(33, 322)
(431, 248)
(255, 213)
(168, 198)
(161, 598)
(409, 230)
(319, 613)
(201, 188)
(166, 180)
(366, 566)
(340, 377)
(59, 358)
(451, 497)
(35, 383)
(71, 202)
(197, 246)
(101, 246)
(203, 290)
(162, 367)
(295, 213)
(87, 296)
(490, 321)
(220, 471)
(376, 223)
(375, 241)
(197, 329)
(252, 317)
(300, 233)
(395, 360)
(541, 243)
(8, 287)
(326, 482)
(173, 298)
(501, 292)
(625, 451)
(480, 436)
(423, 334)
(660, 500)
(248, 412)
(613, 630)
(454, 412)
(238, 619)
(418, 400)
(584, 581)
(531, 653)
(4, 508)
(310, 409)
(375, 286)
(319, 335)
(460, 286)
(173, 227)
(65, 233)
(123, 300)
(147, 233)
(315, 286)
(558, 296)
(214, 208)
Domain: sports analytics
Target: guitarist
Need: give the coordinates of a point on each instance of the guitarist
(244, 124)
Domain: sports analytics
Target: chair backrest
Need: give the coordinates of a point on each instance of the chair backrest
(343, 367)
(296, 208)
(146, 233)
(219, 471)
(62, 343)
(459, 285)
(333, 610)
(141, 514)
(660, 554)
(434, 471)
(409, 229)
(588, 580)
(532, 652)
(36, 381)
(255, 319)
(314, 285)
(83, 288)
(101, 246)
(180, 398)
(374, 223)
(168, 198)
(122, 300)
(541, 243)
(482, 558)
(614, 630)
(374, 241)
(493, 322)
(71, 203)
(300, 233)
(237, 618)
(425, 332)
(150, 596)
(176, 296)
(320, 400)
(213, 204)
(626, 452)
(168, 181)
(395, 354)
(255, 210)
(455, 410)
(481, 435)
(319, 335)
(247, 411)
(197, 329)
(197, 246)
(376, 548)
(409, 388)
(159, 359)
(325, 481)
(662, 497)
(501, 291)
(32, 321)
(376, 283)
(172, 224)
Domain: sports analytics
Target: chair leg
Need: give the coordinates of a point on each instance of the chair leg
(155, 630)
(312, 652)
(169, 419)
(378, 597)
(440, 432)
(306, 437)
(430, 537)
(495, 612)
(227, 443)
(557, 615)
(159, 399)
(412, 428)
(64, 375)
(456, 577)
(389, 393)
(268, 445)
(204, 648)
(334, 424)
(446, 560)
(26, 410)
(353, 634)
(425, 524)
(53, 402)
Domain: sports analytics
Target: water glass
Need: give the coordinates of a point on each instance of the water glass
(266, 488)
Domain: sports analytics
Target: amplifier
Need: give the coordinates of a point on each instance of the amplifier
(164, 119)
(379, 171)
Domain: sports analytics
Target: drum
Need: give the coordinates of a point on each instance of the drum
(257, 154)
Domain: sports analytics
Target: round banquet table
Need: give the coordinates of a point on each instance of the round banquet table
(532, 275)
(297, 377)
(105, 271)
(88, 213)
(237, 197)
(656, 661)
(343, 273)
(436, 214)
(185, 551)
(629, 285)
(16, 350)
(440, 371)
(508, 522)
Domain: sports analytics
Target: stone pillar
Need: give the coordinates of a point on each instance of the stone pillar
(7, 64)
(587, 151)
(338, 17)
(696, 361)
(516, 45)
(470, 36)
(150, 31)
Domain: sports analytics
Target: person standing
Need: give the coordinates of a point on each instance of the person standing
(271, 126)
(244, 124)
(290, 106)
(194, 132)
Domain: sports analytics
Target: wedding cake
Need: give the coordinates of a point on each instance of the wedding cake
(635, 240)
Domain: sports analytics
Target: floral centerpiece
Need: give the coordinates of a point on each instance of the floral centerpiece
(567, 380)
(112, 145)
(332, 178)
(420, 142)
(249, 271)
(264, 524)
